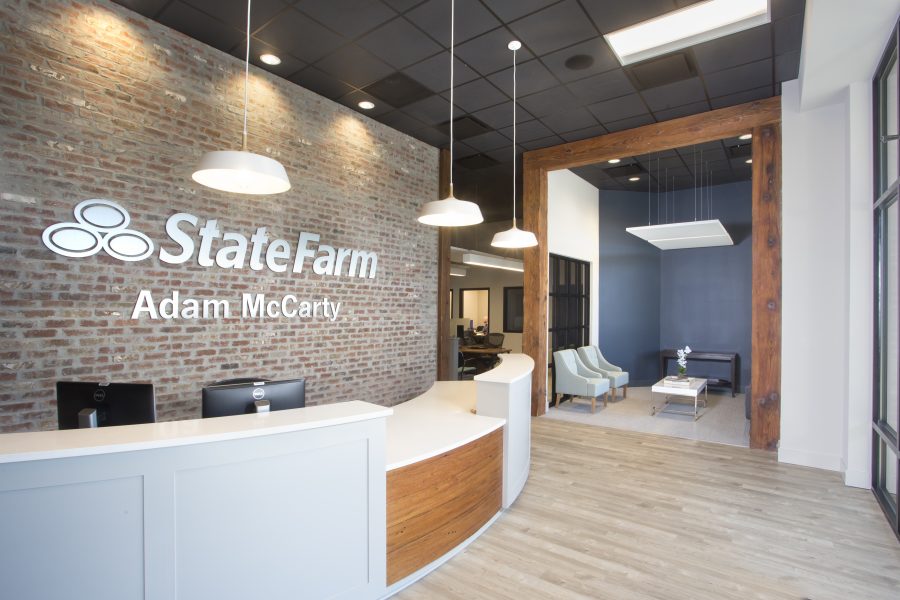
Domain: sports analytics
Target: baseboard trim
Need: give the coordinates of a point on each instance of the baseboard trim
(858, 478)
(816, 460)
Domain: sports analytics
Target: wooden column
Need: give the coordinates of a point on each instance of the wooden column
(765, 379)
(443, 300)
(534, 339)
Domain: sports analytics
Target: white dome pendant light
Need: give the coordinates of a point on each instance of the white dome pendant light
(451, 211)
(242, 172)
(515, 237)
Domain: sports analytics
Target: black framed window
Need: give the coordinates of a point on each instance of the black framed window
(570, 303)
(513, 309)
(886, 401)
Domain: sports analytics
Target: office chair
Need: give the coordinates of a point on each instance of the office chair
(495, 340)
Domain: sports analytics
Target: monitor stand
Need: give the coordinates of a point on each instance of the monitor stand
(87, 418)
(262, 406)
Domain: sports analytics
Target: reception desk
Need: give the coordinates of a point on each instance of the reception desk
(346, 500)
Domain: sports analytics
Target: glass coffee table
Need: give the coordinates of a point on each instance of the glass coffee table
(672, 388)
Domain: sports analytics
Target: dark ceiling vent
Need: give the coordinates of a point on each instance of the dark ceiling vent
(740, 151)
(579, 62)
(463, 127)
(624, 170)
(398, 90)
(661, 71)
(477, 161)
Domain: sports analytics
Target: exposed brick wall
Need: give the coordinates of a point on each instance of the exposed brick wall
(98, 102)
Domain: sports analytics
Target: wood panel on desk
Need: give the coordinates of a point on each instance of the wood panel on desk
(436, 504)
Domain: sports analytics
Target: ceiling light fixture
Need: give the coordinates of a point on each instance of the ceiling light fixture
(451, 211)
(242, 172)
(634, 179)
(270, 59)
(366, 105)
(514, 237)
(614, 161)
(457, 271)
(694, 24)
(749, 161)
(746, 136)
(493, 261)
(689, 234)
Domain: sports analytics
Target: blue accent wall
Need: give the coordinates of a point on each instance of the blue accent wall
(629, 289)
(652, 299)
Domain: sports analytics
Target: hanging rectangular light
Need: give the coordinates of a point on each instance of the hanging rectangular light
(457, 271)
(494, 262)
(694, 24)
(678, 236)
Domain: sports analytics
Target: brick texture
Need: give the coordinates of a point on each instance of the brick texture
(98, 102)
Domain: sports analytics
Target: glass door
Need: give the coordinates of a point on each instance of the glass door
(886, 408)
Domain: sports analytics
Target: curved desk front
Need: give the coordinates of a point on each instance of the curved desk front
(334, 501)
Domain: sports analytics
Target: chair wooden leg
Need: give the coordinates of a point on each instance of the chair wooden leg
(614, 393)
(605, 399)
(556, 400)
(593, 404)
(625, 391)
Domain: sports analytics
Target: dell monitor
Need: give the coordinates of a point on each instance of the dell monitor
(223, 400)
(81, 404)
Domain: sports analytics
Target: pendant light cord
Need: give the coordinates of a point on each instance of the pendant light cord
(514, 138)
(246, 79)
(452, 39)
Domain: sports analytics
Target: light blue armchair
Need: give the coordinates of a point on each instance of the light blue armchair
(593, 358)
(575, 378)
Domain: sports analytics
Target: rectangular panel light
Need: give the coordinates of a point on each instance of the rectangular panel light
(457, 271)
(694, 24)
(494, 262)
(678, 236)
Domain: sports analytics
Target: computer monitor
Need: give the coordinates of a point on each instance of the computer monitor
(223, 400)
(82, 404)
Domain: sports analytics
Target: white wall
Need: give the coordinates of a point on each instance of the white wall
(573, 228)
(496, 280)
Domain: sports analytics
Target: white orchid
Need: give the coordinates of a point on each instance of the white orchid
(682, 358)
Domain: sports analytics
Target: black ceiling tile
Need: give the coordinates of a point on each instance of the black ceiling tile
(787, 66)
(476, 95)
(401, 121)
(321, 83)
(681, 111)
(433, 17)
(596, 49)
(618, 109)
(288, 66)
(629, 123)
(554, 27)
(234, 12)
(531, 76)
(464, 127)
(662, 164)
(569, 120)
(786, 8)
(583, 134)
(510, 10)
(434, 72)
(354, 65)
(553, 140)
(528, 131)
(742, 97)
(549, 101)
(788, 34)
(148, 8)
(299, 35)
(504, 155)
(500, 115)
(397, 89)
(432, 136)
(738, 79)
(662, 70)
(735, 49)
(402, 5)
(462, 150)
(399, 43)
(612, 15)
(604, 86)
(489, 141)
(355, 97)
(432, 111)
(488, 53)
(200, 26)
(674, 94)
(350, 18)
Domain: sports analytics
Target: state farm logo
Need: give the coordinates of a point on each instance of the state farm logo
(100, 225)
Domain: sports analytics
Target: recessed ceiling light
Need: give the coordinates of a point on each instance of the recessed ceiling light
(613, 161)
(270, 59)
(366, 105)
(746, 136)
(699, 22)
(749, 161)
(634, 179)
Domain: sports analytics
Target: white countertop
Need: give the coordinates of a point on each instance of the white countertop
(512, 368)
(438, 421)
(39, 445)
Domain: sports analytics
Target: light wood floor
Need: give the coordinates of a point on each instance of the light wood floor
(615, 514)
